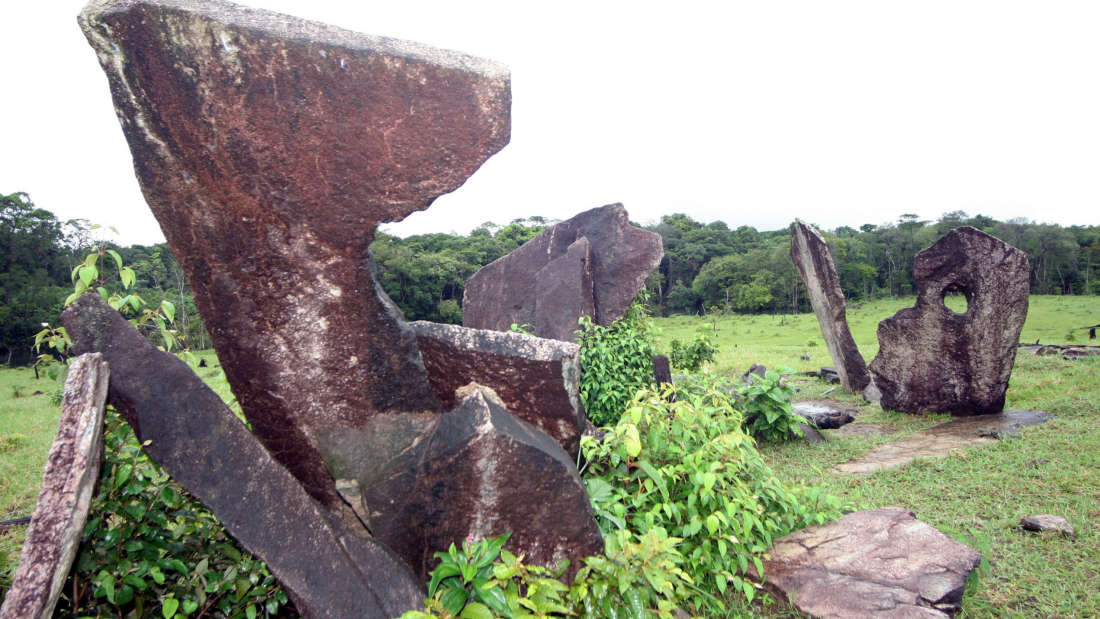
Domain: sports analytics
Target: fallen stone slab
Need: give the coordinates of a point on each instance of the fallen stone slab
(523, 288)
(943, 439)
(1047, 522)
(329, 568)
(484, 472)
(811, 256)
(822, 415)
(68, 483)
(932, 359)
(876, 563)
(537, 379)
(269, 148)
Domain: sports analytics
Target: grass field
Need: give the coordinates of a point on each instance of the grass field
(979, 495)
(976, 497)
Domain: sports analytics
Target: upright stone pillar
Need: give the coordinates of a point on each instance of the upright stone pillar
(815, 265)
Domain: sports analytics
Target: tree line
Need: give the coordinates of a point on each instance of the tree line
(707, 267)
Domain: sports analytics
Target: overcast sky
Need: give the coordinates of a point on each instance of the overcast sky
(841, 113)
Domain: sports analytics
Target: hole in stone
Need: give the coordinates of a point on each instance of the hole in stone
(956, 299)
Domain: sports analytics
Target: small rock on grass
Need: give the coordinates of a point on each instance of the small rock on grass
(1047, 522)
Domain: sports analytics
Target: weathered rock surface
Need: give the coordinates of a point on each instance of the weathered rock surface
(329, 568)
(269, 148)
(68, 483)
(932, 359)
(484, 472)
(754, 370)
(823, 415)
(537, 379)
(877, 563)
(943, 439)
(815, 265)
(529, 285)
(1047, 522)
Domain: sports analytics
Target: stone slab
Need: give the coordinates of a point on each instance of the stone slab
(504, 292)
(68, 484)
(876, 563)
(814, 262)
(943, 439)
(537, 379)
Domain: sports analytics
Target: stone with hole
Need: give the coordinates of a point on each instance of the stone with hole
(933, 359)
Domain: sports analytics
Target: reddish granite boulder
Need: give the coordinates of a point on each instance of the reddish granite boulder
(269, 148)
(814, 262)
(329, 567)
(932, 359)
(545, 282)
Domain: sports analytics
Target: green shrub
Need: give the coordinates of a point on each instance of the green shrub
(616, 362)
(766, 404)
(152, 550)
(691, 357)
(688, 467)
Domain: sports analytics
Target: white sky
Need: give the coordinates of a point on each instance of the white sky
(840, 112)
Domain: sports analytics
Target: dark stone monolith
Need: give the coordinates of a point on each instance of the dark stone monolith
(932, 359)
(876, 563)
(484, 472)
(537, 379)
(269, 148)
(545, 282)
(815, 264)
(329, 568)
(68, 483)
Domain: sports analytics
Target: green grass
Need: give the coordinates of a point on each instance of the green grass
(978, 495)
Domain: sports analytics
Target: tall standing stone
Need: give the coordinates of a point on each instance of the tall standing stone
(932, 359)
(593, 264)
(815, 265)
(68, 483)
(269, 149)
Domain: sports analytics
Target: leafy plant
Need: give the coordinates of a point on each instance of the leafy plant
(616, 362)
(766, 403)
(691, 357)
(151, 549)
(689, 468)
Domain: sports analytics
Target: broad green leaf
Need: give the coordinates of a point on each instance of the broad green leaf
(476, 610)
(168, 607)
(169, 310)
(118, 258)
(88, 274)
(127, 276)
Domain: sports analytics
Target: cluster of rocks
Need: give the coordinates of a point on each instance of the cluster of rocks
(930, 358)
(374, 443)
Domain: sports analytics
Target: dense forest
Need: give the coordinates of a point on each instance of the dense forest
(707, 267)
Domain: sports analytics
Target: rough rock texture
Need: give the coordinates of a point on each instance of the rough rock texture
(1047, 522)
(526, 286)
(484, 472)
(941, 440)
(877, 563)
(932, 359)
(537, 379)
(823, 415)
(269, 148)
(814, 262)
(329, 568)
(68, 483)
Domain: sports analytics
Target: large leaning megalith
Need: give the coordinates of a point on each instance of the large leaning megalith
(814, 262)
(269, 149)
(932, 359)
